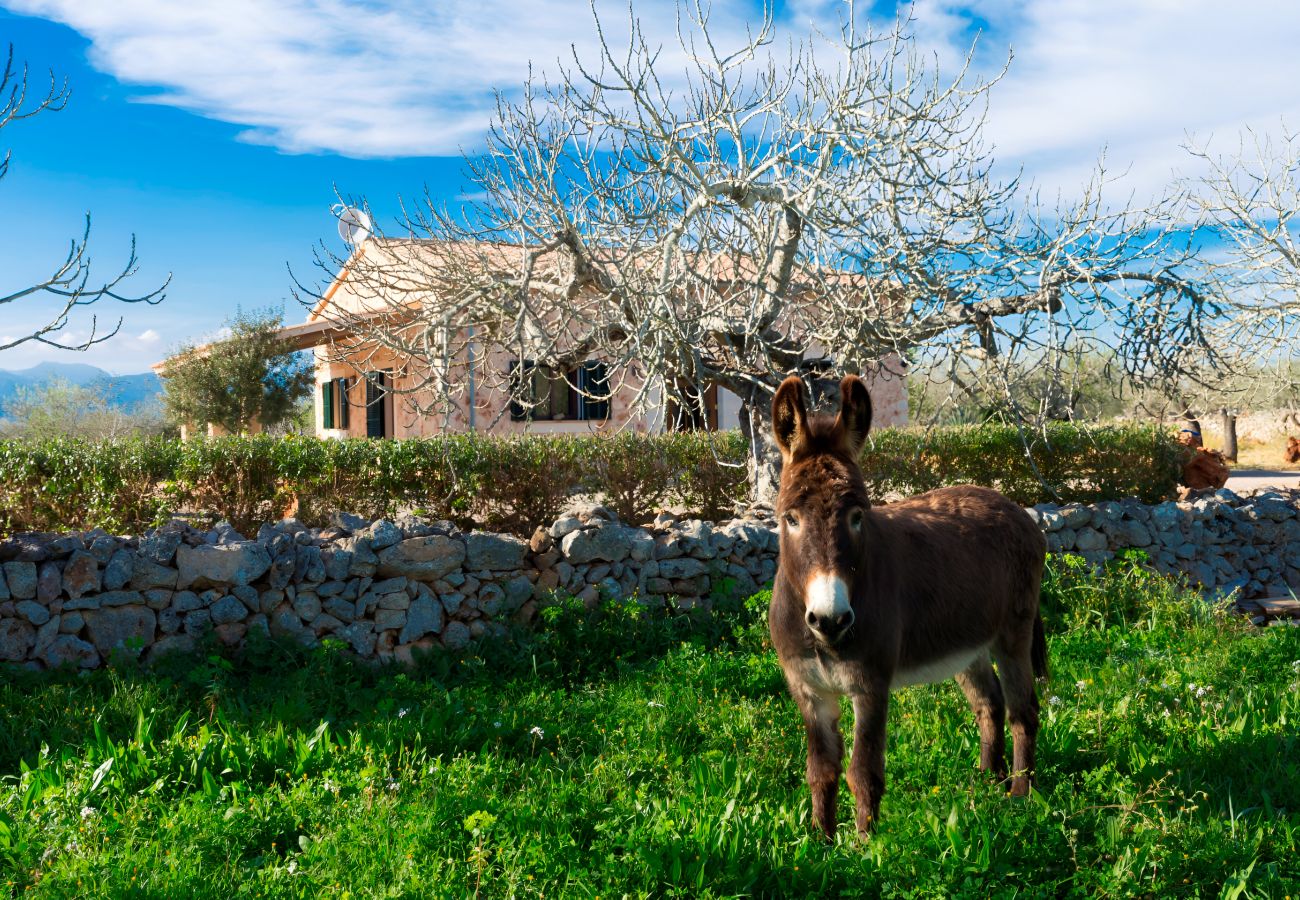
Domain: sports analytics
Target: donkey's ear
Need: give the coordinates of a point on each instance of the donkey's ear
(789, 417)
(855, 414)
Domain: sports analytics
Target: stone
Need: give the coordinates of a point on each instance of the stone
(118, 569)
(337, 562)
(257, 625)
(146, 574)
(91, 602)
(71, 623)
(102, 545)
(682, 567)
(423, 558)
(285, 624)
(16, 639)
(159, 546)
(228, 610)
(170, 645)
(455, 636)
(81, 574)
(70, 650)
(326, 624)
(307, 606)
(606, 541)
(589, 596)
(564, 526)
(423, 618)
(400, 600)
(231, 633)
(1074, 516)
(158, 598)
(348, 521)
(20, 575)
(389, 585)
(541, 541)
(4, 587)
(452, 602)
(1089, 539)
(389, 618)
(184, 601)
(33, 612)
(490, 598)
(360, 635)
(518, 591)
(343, 610)
(494, 552)
(169, 621)
(308, 565)
(383, 534)
(49, 583)
(119, 598)
(198, 622)
(242, 562)
(125, 629)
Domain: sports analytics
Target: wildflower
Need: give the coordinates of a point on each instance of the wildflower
(1201, 692)
(401, 713)
(537, 732)
(1080, 685)
(1191, 686)
(1054, 700)
(293, 866)
(655, 704)
(87, 812)
(496, 724)
(394, 784)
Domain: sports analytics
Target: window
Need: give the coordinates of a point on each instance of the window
(342, 405)
(376, 402)
(581, 394)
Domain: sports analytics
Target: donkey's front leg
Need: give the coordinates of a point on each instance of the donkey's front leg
(867, 767)
(821, 718)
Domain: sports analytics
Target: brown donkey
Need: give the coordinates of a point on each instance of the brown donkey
(867, 600)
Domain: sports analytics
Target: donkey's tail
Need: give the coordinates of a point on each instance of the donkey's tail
(1038, 652)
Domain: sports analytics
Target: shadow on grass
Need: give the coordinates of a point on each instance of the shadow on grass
(272, 683)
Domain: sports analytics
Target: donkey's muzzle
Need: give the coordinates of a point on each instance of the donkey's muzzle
(829, 628)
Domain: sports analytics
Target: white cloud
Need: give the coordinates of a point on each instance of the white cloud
(408, 77)
(149, 336)
(364, 78)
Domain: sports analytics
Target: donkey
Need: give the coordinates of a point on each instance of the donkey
(870, 599)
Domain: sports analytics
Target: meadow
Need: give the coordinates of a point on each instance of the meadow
(620, 752)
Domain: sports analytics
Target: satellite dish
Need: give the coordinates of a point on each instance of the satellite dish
(354, 224)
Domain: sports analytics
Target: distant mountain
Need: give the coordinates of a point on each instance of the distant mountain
(123, 391)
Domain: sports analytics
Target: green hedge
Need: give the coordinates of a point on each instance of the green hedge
(516, 483)
(1064, 463)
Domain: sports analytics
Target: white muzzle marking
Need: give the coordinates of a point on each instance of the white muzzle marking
(828, 597)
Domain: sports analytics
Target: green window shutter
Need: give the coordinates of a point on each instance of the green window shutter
(327, 404)
(343, 402)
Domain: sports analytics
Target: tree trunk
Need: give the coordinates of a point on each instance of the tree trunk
(1228, 421)
(764, 456)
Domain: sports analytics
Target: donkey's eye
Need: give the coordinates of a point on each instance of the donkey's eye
(791, 520)
(855, 520)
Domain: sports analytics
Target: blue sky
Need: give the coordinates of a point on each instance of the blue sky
(216, 133)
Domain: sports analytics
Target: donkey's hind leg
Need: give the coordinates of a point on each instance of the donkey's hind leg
(1016, 672)
(984, 693)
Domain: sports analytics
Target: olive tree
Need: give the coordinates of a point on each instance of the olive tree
(728, 211)
(250, 376)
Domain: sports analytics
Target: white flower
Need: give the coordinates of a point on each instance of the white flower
(87, 812)
(1054, 700)
(1191, 686)
(496, 724)
(401, 713)
(1080, 685)
(394, 784)
(655, 704)
(293, 866)
(537, 732)
(1201, 692)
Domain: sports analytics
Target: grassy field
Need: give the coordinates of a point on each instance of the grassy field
(619, 754)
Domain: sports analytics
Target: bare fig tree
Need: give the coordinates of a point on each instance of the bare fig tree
(1249, 201)
(69, 285)
(727, 214)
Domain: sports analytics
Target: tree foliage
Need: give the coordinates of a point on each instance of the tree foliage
(60, 409)
(250, 376)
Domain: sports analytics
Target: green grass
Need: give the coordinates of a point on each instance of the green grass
(669, 762)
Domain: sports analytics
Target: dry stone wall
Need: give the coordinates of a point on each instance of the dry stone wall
(390, 588)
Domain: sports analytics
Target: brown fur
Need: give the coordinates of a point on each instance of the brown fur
(1292, 451)
(1206, 469)
(949, 572)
